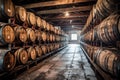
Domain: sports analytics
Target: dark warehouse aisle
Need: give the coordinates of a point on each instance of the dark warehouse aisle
(68, 64)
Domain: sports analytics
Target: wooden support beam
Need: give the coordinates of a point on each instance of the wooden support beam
(55, 3)
(62, 10)
(70, 16)
(65, 19)
(68, 24)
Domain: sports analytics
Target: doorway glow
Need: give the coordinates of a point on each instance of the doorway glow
(73, 36)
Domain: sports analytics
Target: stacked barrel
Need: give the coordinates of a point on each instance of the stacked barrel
(28, 36)
(100, 35)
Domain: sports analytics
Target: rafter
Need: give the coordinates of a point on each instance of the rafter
(70, 24)
(65, 19)
(62, 10)
(55, 3)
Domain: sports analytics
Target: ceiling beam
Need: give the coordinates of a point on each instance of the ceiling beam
(55, 3)
(68, 24)
(70, 16)
(65, 19)
(62, 10)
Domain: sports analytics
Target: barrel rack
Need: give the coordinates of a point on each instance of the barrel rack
(97, 69)
(32, 63)
(22, 68)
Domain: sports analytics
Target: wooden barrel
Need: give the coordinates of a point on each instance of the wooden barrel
(7, 60)
(44, 36)
(48, 37)
(31, 53)
(6, 34)
(95, 51)
(31, 19)
(21, 56)
(38, 35)
(102, 9)
(47, 26)
(90, 52)
(112, 24)
(44, 24)
(101, 33)
(20, 14)
(7, 9)
(20, 33)
(31, 36)
(57, 38)
(51, 37)
(39, 21)
(52, 28)
(48, 48)
(55, 30)
(108, 30)
(88, 37)
(38, 51)
(51, 47)
(44, 49)
(108, 61)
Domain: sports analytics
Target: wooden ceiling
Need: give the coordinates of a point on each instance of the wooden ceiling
(53, 11)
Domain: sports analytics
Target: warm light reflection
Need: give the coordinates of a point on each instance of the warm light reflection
(67, 14)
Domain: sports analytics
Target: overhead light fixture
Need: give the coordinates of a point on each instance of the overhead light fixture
(67, 14)
(70, 21)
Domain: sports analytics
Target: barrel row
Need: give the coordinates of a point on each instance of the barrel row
(10, 59)
(108, 31)
(8, 34)
(107, 59)
(100, 11)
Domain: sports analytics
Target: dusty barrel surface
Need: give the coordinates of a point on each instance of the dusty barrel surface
(48, 37)
(20, 14)
(31, 53)
(108, 30)
(6, 34)
(51, 47)
(108, 61)
(38, 51)
(44, 24)
(38, 35)
(100, 11)
(21, 56)
(31, 19)
(44, 36)
(31, 36)
(44, 49)
(48, 48)
(20, 33)
(38, 21)
(7, 9)
(47, 26)
(51, 37)
(7, 60)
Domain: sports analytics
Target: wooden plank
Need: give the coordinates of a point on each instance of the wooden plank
(62, 10)
(55, 3)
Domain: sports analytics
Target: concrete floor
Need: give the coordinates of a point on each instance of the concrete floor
(68, 64)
